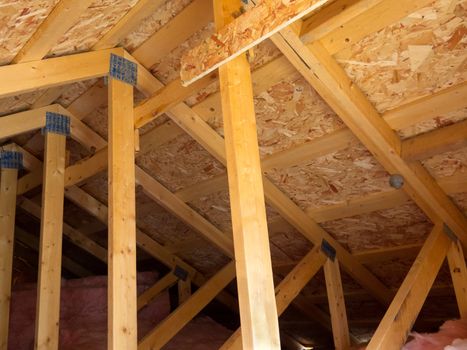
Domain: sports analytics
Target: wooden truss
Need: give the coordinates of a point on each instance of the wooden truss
(308, 46)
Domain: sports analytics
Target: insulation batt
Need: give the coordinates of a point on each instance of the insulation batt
(452, 335)
(83, 317)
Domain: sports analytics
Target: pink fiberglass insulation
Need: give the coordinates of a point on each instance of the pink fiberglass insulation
(83, 313)
(451, 336)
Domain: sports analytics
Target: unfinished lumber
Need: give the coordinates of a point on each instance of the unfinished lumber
(165, 330)
(329, 79)
(122, 322)
(340, 328)
(438, 141)
(10, 163)
(35, 75)
(152, 292)
(209, 139)
(18, 123)
(458, 269)
(288, 289)
(63, 16)
(56, 129)
(249, 29)
(393, 330)
(255, 284)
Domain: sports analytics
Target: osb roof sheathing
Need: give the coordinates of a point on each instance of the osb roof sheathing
(421, 54)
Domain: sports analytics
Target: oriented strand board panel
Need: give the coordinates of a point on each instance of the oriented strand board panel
(422, 53)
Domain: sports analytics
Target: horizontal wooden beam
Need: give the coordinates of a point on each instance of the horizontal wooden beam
(438, 141)
(35, 75)
(249, 29)
(21, 122)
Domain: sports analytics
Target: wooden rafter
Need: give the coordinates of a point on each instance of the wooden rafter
(458, 269)
(393, 330)
(63, 16)
(332, 83)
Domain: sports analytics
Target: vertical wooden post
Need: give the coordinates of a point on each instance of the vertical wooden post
(340, 328)
(458, 270)
(122, 306)
(184, 290)
(8, 184)
(50, 252)
(258, 312)
(392, 332)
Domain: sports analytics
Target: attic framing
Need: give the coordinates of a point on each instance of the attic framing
(308, 45)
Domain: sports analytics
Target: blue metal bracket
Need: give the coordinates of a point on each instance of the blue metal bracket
(123, 69)
(328, 250)
(181, 273)
(11, 160)
(56, 123)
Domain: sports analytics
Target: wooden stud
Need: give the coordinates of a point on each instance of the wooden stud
(152, 292)
(122, 323)
(165, 330)
(458, 270)
(288, 289)
(63, 16)
(340, 328)
(8, 183)
(50, 253)
(255, 285)
(393, 330)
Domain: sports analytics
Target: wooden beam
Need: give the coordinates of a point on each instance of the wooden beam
(21, 122)
(249, 29)
(8, 183)
(350, 31)
(458, 271)
(35, 75)
(50, 253)
(288, 289)
(394, 328)
(191, 19)
(340, 328)
(438, 141)
(132, 19)
(152, 292)
(208, 138)
(332, 83)
(122, 322)
(255, 284)
(165, 330)
(63, 16)
(184, 290)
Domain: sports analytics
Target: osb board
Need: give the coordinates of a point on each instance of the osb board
(98, 18)
(417, 56)
(153, 23)
(179, 163)
(448, 163)
(333, 178)
(402, 225)
(19, 19)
